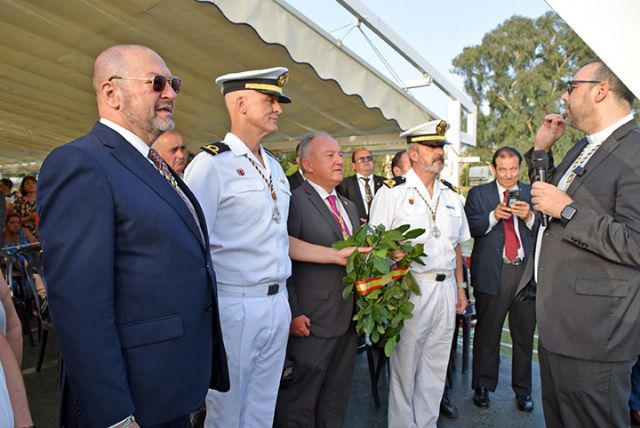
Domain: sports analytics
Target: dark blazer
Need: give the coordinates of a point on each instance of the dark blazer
(131, 288)
(588, 295)
(486, 257)
(295, 180)
(315, 290)
(350, 189)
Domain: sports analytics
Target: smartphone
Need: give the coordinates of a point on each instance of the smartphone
(514, 196)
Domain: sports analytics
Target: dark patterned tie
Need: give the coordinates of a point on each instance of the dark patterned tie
(368, 196)
(163, 169)
(511, 243)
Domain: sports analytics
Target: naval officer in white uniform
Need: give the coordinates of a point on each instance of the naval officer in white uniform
(244, 194)
(420, 199)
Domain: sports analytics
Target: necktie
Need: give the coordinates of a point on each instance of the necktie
(511, 243)
(368, 196)
(163, 169)
(580, 161)
(337, 217)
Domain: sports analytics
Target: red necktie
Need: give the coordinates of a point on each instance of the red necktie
(511, 243)
(337, 217)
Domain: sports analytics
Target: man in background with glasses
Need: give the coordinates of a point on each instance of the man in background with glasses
(361, 187)
(586, 262)
(132, 291)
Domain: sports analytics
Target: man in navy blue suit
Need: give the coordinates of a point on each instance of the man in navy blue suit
(131, 288)
(501, 223)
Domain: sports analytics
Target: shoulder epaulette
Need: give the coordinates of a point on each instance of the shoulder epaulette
(450, 186)
(270, 153)
(215, 148)
(393, 182)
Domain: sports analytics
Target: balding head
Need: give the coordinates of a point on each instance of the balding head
(171, 148)
(122, 78)
(253, 114)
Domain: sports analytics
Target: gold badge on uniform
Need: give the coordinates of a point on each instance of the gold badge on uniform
(240, 171)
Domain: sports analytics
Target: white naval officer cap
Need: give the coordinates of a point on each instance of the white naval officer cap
(268, 81)
(429, 133)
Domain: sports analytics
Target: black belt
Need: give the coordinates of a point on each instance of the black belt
(273, 289)
(515, 262)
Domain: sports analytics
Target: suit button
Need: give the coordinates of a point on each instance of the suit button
(209, 307)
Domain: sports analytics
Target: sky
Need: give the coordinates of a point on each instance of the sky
(438, 30)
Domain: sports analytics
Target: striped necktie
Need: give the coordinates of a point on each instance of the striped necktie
(163, 169)
(337, 216)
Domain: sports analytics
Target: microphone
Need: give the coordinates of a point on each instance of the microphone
(540, 161)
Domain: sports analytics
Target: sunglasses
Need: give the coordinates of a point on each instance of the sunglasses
(571, 84)
(158, 82)
(363, 159)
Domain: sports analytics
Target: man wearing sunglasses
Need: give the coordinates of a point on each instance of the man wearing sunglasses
(361, 187)
(586, 261)
(131, 287)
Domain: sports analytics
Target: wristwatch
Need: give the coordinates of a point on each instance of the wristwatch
(568, 212)
(462, 285)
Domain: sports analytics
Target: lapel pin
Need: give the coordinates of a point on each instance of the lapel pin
(240, 171)
(411, 201)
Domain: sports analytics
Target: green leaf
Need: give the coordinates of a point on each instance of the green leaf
(375, 337)
(390, 346)
(346, 292)
(413, 234)
(380, 264)
(368, 324)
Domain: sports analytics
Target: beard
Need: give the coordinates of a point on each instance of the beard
(156, 125)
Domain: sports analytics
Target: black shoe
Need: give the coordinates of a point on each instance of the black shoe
(448, 409)
(525, 403)
(481, 397)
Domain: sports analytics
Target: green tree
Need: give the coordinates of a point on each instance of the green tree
(517, 76)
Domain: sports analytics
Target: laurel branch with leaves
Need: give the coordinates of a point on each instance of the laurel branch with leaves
(383, 286)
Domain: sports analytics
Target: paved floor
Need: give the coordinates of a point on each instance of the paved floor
(362, 413)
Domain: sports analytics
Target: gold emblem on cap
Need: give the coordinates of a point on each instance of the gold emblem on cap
(441, 128)
(283, 79)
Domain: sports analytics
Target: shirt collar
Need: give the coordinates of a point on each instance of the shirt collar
(239, 148)
(602, 135)
(132, 138)
(321, 192)
(414, 181)
(502, 189)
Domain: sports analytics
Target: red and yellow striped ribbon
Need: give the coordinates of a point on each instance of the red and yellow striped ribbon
(367, 286)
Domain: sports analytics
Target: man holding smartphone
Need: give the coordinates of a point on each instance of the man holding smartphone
(501, 223)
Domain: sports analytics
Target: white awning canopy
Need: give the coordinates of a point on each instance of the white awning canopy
(48, 49)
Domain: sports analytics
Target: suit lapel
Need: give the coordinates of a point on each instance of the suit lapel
(608, 146)
(358, 200)
(131, 159)
(322, 208)
(352, 212)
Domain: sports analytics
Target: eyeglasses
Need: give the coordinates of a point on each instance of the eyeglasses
(571, 84)
(158, 82)
(363, 159)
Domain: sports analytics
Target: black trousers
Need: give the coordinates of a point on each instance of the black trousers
(318, 394)
(581, 393)
(491, 312)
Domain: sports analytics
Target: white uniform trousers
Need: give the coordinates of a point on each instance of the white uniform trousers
(419, 362)
(255, 331)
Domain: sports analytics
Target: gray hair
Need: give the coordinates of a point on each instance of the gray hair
(303, 145)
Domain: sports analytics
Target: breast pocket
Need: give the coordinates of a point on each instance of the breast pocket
(246, 196)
